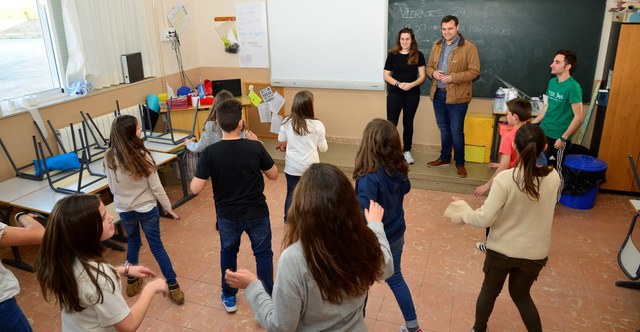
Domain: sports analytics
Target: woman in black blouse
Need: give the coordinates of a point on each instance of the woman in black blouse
(404, 72)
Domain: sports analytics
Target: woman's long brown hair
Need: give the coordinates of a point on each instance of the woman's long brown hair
(530, 142)
(413, 48)
(301, 111)
(343, 255)
(126, 149)
(380, 147)
(73, 233)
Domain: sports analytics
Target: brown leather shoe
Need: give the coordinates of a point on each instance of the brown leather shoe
(438, 162)
(133, 288)
(177, 295)
(462, 172)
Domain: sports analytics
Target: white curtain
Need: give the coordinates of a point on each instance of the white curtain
(98, 32)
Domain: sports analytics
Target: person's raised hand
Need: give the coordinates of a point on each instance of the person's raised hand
(141, 271)
(374, 213)
(282, 146)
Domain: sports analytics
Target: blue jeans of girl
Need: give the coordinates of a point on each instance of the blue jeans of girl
(399, 286)
(150, 224)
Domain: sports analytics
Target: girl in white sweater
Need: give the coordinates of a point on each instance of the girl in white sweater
(519, 210)
(301, 136)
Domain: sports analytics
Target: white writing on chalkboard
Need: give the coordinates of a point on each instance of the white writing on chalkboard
(486, 30)
(419, 13)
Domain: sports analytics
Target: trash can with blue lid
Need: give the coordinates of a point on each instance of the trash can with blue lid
(582, 176)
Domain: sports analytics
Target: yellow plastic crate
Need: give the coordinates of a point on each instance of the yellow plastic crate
(478, 129)
(477, 154)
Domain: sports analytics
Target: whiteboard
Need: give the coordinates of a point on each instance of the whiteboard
(339, 44)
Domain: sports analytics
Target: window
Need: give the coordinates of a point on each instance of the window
(30, 54)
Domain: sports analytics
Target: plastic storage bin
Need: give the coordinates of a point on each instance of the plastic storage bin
(582, 175)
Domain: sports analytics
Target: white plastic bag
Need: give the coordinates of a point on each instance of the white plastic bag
(229, 36)
(80, 88)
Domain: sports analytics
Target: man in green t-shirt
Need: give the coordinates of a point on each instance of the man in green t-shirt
(562, 115)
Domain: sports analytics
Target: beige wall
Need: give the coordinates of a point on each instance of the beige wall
(344, 112)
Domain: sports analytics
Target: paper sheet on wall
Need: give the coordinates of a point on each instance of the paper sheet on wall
(266, 94)
(178, 17)
(265, 112)
(251, 22)
(277, 102)
(254, 98)
(276, 121)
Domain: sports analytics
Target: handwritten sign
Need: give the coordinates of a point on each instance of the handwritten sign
(251, 22)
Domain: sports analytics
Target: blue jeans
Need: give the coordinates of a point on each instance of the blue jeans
(292, 180)
(450, 119)
(399, 286)
(259, 231)
(13, 320)
(150, 223)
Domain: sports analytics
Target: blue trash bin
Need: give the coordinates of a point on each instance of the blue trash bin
(582, 175)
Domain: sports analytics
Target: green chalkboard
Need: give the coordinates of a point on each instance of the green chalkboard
(516, 39)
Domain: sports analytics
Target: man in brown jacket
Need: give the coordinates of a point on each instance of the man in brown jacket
(453, 65)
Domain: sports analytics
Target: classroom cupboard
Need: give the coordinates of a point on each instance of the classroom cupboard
(620, 137)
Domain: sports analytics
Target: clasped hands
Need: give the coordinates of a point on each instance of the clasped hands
(440, 76)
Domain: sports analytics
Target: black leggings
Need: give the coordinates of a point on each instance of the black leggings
(408, 104)
(522, 273)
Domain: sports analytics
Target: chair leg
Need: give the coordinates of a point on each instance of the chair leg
(629, 284)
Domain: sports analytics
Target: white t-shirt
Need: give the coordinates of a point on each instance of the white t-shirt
(9, 287)
(302, 151)
(96, 316)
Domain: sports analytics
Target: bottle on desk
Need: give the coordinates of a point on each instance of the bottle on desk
(535, 105)
(499, 104)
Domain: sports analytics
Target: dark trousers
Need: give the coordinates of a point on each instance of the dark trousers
(522, 273)
(408, 104)
(552, 151)
(292, 180)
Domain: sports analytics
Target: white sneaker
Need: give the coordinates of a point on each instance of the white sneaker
(408, 157)
(482, 246)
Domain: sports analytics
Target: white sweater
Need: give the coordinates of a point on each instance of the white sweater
(138, 195)
(520, 226)
(302, 151)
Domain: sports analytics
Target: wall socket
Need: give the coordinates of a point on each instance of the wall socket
(167, 33)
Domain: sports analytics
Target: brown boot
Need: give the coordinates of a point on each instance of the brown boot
(177, 295)
(134, 287)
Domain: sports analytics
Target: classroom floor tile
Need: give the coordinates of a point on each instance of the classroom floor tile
(575, 291)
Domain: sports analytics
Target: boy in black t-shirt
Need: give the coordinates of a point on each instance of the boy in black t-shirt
(235, 166)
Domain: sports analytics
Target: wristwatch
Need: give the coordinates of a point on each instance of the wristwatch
(563, 139)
